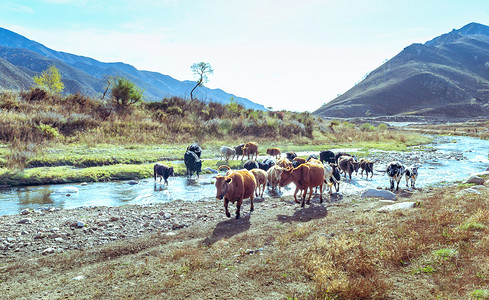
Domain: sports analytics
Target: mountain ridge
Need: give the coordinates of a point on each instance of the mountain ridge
(87, 74)
(427, 79)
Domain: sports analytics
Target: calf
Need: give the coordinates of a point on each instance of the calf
(275, 152)
(274, 174)
(227, 152)
(327, 156)
(261, 178)
(239, 150)
(305, 176)
(162, 171)
(235, 187)
(367, 166)
(347, 164)
(250, 149)
(394, 170)
(193, 163)
(411, 173)
(251, 164)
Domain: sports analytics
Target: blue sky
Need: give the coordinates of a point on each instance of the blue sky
(293, 55)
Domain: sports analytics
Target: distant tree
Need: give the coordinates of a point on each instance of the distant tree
(201, 70)
(109, 81)
(125, 93)
(332, 124)
(50, 80)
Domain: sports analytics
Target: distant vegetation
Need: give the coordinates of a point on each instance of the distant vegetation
(41, 128)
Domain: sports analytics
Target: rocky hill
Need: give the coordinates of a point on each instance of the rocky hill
(86, 75)
(445, 77)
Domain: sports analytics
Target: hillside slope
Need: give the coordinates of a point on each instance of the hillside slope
(86, 74)
(447, 76)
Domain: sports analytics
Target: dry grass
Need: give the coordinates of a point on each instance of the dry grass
(430, 251)
(475, 128)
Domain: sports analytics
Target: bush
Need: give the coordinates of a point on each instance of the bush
(35, 94)
(125, 93)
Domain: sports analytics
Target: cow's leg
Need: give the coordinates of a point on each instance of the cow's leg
(295, 195)
(226, 202)
(252, 208)
(304, 194)
(321, 193)
(238, 207)
(392, 183)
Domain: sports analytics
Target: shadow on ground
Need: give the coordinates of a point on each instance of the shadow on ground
(227, 229)
(306, 214)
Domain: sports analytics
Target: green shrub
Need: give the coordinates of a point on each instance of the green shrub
(47, 131)
(125, 93)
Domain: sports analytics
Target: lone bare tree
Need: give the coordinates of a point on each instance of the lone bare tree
(201, 70)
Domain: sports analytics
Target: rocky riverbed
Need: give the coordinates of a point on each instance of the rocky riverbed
(45, 231)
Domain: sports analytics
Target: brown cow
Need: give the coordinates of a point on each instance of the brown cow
(261, 178)
(250, 148)
(235, 187)
(347, 164)
(367, 166)
(275, 152)
(305, 176)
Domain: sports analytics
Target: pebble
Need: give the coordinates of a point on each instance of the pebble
(25, 221)
(48, 251)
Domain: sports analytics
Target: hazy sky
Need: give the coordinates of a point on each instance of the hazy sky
(293, 55)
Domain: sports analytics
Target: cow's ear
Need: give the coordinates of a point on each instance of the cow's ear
(229, 179)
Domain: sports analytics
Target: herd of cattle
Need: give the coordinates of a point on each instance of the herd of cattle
(275, 172)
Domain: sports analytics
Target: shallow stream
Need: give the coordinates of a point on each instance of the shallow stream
(448, 159)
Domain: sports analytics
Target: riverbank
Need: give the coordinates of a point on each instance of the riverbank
(342, 248)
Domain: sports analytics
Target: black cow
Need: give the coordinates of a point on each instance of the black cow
(195, 148)
(251, 164)
(193, 163)
(239, 150)
(266, 164)
(340, 154)
(336, 178)
(312, 156)
(327, 156)
(162, 171)
(394, 170)
(291, 155)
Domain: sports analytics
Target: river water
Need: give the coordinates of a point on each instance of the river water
(451, 159)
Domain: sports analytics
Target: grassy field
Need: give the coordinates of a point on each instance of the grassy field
(81, 163)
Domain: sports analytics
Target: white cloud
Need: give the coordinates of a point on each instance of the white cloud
(16, 8)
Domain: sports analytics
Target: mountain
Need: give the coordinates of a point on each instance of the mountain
(86, 75)
(445, 77)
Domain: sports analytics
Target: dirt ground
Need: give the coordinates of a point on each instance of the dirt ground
(53, 256)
